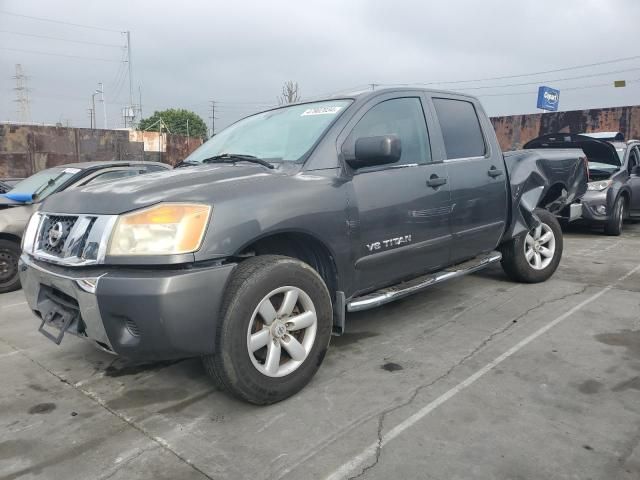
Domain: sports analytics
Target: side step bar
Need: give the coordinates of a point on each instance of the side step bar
(389, 294)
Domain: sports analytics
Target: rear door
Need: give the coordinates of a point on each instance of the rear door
(400, 223)
(477, 177)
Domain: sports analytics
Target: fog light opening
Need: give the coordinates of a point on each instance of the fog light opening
(601, 209)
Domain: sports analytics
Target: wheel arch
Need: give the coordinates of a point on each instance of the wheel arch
(301, 245)
(555, 192)
(626, 194)
(11, 237)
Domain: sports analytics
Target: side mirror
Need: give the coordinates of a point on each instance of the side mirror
(372, 151)
(636, 171)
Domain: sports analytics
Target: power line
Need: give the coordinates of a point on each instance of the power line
(576, 67)
(61, 39)
(555, 80)
(536, 82)
(533, 92)
(59, 22)
(58, 54)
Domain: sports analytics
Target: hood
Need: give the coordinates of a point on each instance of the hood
(202, 184)
(596, 150)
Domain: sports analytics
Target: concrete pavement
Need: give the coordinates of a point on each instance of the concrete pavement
(441, 385)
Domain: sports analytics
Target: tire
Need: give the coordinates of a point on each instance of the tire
(527, 259)
(9, 255)
(613, 226)
(270, 373)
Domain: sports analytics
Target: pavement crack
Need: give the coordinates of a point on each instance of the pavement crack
(96, 399)
(126, 462)
(382, 416)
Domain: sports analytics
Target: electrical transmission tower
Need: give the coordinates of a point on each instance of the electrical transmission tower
(22, 95)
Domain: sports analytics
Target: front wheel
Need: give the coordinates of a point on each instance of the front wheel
(274, 331)
(616, 219)
(9, 255)
(532, 258)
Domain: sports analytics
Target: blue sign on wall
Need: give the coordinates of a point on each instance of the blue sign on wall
(548, 98)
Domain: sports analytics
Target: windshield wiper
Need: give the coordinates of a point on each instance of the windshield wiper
(42, 188)
(237, 157)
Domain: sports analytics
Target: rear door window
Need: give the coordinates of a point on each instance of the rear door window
(460, 127)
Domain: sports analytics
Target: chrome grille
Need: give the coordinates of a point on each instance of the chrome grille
(54, 233)
(72, 239)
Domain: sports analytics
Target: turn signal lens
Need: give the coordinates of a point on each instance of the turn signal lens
(164, 229)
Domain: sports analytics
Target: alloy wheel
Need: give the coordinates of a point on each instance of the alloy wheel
(540, 247)
(282, 331)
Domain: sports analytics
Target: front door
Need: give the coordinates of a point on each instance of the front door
(478, 179)
(401, 211)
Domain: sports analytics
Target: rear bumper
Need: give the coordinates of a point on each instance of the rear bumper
(139, 314)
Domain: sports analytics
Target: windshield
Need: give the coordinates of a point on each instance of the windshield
(281, 135)
(44, 182)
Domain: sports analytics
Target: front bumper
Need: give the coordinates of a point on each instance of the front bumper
(591, 202)
(146, 314)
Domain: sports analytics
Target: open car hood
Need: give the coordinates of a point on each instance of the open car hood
(596, 150)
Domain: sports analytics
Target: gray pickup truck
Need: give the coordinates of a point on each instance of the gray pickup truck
(286, 220)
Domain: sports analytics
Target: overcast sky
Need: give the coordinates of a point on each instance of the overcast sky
(239, 53)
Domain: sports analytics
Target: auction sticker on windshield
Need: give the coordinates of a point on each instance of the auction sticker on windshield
(72, 171)
(321, 111)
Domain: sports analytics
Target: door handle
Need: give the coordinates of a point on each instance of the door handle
(435, 181)
(494, 172)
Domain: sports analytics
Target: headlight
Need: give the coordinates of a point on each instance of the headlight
(29, 236)
(164, 229)
(599, 185)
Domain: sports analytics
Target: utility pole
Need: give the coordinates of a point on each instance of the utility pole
(90, 111)
(140, 100)
(213, 118)
(128, 33)
(104, 104)
(22, 95)
(373, 86)
(93, 109)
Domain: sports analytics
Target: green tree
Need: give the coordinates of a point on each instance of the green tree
(176, 120)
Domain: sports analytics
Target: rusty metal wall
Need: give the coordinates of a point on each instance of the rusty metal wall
(516, 130)
(26, 149)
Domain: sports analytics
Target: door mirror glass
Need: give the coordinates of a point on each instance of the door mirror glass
(372, 151)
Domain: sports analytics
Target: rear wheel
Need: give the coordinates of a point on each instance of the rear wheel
(616, 219)
(9, 255)
(533, 257)
(274, 331)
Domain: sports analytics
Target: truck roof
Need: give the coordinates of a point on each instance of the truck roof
(365, 94)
